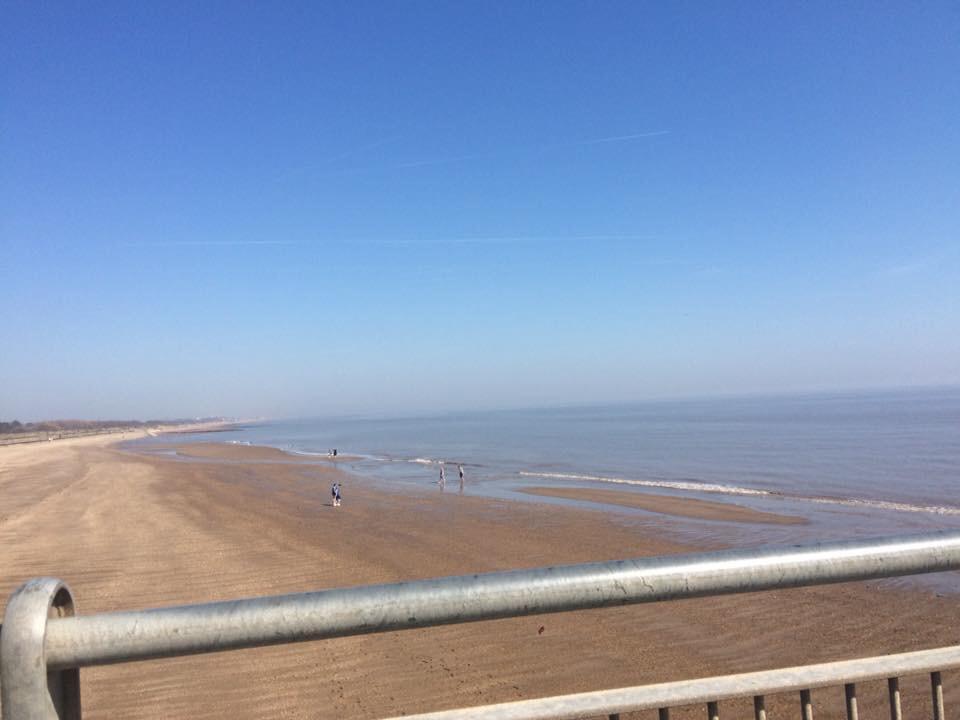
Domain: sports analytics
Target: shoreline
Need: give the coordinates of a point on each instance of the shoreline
(692, 508)
(885, 508)
(672, 505)
(130, 530)
(699, 516)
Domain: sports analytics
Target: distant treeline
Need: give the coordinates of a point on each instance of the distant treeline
(72, 425)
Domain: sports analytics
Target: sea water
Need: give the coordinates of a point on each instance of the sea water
(854, 464)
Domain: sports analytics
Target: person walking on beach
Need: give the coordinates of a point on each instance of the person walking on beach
(443, 479)
(335, 494)
(338, 494)
(460, 470)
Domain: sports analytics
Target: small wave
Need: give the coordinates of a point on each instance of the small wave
(737, 490)
(341, 455)
(380, 458)
(307, 453)
(667, 484)
(882, 505)
(425, 461)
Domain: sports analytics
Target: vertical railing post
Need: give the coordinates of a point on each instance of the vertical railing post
(759, 708)
(713, 710)
(850, 691)
(893, 690)
(806, 705)
(936, 688)
(29, 692)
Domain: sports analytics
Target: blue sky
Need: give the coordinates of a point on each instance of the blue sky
(301, 209)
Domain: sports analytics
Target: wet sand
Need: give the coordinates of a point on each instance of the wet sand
(131, 531)
(238, 451)
(669, 505)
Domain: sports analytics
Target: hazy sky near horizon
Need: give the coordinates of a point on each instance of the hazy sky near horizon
(311, 208)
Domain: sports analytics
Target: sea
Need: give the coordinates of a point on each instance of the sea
(856, 464)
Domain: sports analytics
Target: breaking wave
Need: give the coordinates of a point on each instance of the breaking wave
(695, 486)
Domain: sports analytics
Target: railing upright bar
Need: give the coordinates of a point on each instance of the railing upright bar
(27, 690)
(936, 689)
(759, 708)
(806, 705)
(850, 692)
(663, 714)
(893, 690)
(713, 710)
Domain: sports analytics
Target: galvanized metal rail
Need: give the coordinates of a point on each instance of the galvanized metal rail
(710, 691)
(43, 644)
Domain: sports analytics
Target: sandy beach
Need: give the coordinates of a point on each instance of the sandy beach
(128, 531)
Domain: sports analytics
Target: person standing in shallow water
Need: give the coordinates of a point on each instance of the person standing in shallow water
(443, 479)
(460, 470)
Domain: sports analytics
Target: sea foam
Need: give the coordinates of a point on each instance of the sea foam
(694, 486)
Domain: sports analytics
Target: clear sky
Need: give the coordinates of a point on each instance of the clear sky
(310, 208)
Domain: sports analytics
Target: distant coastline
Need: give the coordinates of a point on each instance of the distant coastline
(15, 433)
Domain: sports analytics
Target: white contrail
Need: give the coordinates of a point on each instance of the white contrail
(286, 174)
(438, 161)
(905, 268)
(498, 239)
(463, 240)
(364, 148)
(624, 138)
(555, 146)
(216, 243)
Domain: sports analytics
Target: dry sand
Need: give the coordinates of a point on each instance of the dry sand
(129, 531)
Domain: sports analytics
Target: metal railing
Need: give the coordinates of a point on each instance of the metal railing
(710, 691)
(43, 644)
